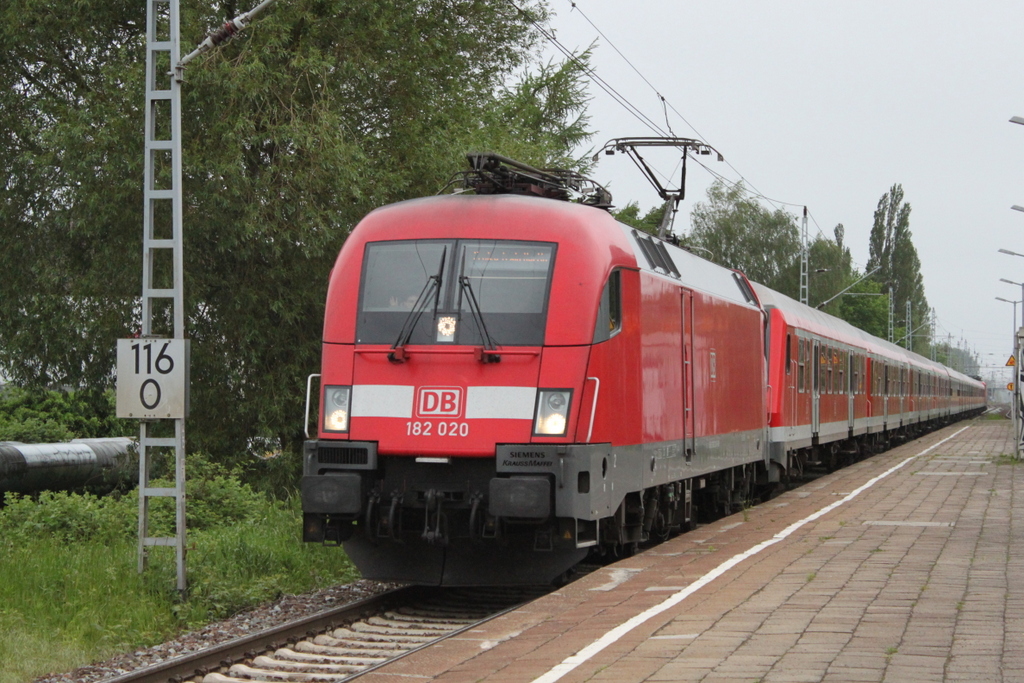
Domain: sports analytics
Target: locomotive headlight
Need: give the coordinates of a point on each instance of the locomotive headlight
(446, 328)
(336, 408)
(552, 415)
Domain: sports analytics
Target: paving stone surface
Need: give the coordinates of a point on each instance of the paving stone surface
(920, 577)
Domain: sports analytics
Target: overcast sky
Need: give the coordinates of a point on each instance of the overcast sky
(829, 104)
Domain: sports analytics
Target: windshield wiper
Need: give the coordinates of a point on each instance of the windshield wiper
(478, 317)
(432, 287)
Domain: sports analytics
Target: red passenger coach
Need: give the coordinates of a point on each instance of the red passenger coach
(511, 382)
(837, 392)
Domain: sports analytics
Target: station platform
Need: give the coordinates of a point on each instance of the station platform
(907, 566)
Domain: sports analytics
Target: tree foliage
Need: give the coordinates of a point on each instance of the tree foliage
(892, 251)
(56, 416)
(738, 232)
(650, 222)
(322, 111)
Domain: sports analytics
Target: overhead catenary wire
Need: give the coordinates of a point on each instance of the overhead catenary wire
(635, 111)
(665, 103)
(749, 186)
(600, 82)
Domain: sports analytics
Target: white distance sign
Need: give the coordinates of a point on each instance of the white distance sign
(152, 378)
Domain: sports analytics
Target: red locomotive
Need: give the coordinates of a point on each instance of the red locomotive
(512, 382)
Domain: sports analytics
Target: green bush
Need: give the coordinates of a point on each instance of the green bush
(215, 497)
(68, 517)
(55, 416)
(33, 429)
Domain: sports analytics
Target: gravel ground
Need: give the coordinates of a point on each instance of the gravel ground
(283, 610)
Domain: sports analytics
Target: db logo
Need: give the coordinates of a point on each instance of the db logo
(439, 402)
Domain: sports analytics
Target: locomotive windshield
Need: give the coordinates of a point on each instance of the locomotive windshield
(509, 281)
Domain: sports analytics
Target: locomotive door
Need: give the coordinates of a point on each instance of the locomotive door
(688, 407)
(815, 389)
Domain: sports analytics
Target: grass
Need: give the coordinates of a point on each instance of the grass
(68, 602)
(57, 607)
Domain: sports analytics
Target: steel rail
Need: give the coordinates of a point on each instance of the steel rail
(222, 656)
(206, 661)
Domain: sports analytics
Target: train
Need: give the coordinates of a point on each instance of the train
(512, 382)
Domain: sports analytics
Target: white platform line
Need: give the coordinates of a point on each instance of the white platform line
(609, 638)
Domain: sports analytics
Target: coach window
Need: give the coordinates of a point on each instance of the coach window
(825, 366)
(609, 312)
(822, 379)
(850, 362)
(833, 370)
(828, 373)
(816, 362)
(789, 354)
(808, 364)
(841, 386)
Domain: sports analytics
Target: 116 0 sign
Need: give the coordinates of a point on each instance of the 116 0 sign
(152, 378)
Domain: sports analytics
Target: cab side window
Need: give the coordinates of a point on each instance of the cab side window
(609, 312)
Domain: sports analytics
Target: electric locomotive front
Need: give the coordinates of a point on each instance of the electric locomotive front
(456, 341)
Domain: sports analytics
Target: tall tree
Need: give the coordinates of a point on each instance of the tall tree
(738, 232)
(325, 110)
(892, 251)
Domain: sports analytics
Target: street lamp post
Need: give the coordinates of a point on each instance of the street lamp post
(999, 298)
(1011, 282)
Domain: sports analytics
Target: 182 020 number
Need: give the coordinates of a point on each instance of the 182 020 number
(428, 428)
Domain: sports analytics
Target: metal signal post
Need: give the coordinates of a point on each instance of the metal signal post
(153, 369)
(804, 256)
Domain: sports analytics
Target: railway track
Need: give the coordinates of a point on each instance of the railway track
(342, 643)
